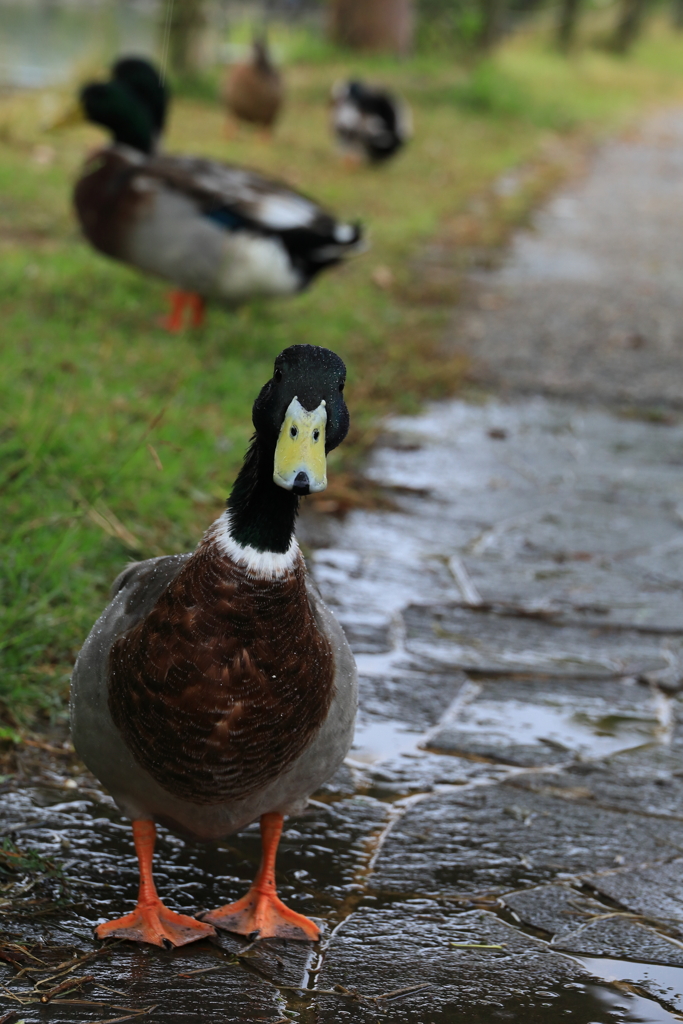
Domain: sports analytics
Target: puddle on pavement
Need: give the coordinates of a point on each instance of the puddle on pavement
(663, 982)
(553, 730)
(375, 741)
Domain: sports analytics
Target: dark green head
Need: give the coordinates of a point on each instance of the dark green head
(146, 84)
(300, 415)
(113, 106)
(313, 375)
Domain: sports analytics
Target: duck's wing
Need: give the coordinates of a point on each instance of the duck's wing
(141, 584)
(133, 595)
(237, 198)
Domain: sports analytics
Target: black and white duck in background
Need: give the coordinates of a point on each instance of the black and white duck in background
(370, 124)
(215, 231)
(216, 688)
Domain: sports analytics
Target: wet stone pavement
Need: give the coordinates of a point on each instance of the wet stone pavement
(507, 834)
(505, 841)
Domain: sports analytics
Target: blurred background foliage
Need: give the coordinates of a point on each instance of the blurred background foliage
(119, 441)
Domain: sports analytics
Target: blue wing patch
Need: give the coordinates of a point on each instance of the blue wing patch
(227, 218)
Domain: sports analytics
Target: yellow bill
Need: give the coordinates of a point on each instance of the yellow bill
(300, 462)
(69, 117)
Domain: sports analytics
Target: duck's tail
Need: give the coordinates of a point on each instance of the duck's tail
(344, 240)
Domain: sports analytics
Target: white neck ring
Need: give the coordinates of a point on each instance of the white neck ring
(259, 564)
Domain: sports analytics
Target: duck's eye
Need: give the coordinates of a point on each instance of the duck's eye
(277, 376)
(316, 435)
(293, 431)
(341, 385)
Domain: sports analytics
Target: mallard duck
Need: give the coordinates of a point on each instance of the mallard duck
(216, 688)
(216, 231)
(254, 90)
(370, 124)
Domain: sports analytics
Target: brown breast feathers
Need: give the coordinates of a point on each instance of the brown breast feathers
(224, 683)
(108, 197)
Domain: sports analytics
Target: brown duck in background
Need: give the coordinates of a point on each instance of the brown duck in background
(254, 90)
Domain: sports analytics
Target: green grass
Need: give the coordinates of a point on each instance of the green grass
(118, 441)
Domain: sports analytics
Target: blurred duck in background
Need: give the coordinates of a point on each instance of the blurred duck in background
(370, 124)
(254, 89)
(214, 230)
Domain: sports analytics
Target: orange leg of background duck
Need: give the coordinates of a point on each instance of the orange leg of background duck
(260, 911)
(151, 921)
(175, 321)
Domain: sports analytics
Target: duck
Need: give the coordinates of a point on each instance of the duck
(216, 231)
(254, 90)
(217, 689)
(369, 123)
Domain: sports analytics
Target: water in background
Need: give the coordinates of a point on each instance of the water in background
(42, 42)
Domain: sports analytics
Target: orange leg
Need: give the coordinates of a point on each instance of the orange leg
(197, 307)
(260, 912)
(151, 921)
(175, 321)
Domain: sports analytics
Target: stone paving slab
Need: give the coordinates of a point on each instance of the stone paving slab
(623, 938)
(493, 838)
(579, 924)
(555, 909)
(485, 644)
(654, 892)
(377, 951)
(637, 782)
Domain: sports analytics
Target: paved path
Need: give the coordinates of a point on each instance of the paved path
(507, 835)
(591, 301)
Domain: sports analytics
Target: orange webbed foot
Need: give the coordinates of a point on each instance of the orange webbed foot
(154, 923)
(263, 915)
(180, 302)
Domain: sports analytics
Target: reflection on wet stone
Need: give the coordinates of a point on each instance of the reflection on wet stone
(540, 722)
(504, 644)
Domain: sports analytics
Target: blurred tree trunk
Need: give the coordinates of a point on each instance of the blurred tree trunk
(629, 24)
(181, 27)
(677, 15)
(491, 23)
(566, 26)
(379, 25)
